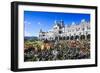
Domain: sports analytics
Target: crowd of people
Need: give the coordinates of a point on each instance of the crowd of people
(61, 50)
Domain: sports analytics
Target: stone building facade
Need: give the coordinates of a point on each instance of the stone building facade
(60, 31)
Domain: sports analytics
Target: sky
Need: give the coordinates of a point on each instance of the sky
(34, 21)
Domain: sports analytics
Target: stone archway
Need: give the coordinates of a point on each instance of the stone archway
(88, 36)
(67, 37)
(76, 37)
(72, 37)
(82, 37)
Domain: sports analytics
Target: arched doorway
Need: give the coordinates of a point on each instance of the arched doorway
(71, 38)
(56, 38)
(76, 37)
(88, 36)
(64, 38)
(82, 37)
(67, 37)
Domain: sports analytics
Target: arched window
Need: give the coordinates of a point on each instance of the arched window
(60, 32)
